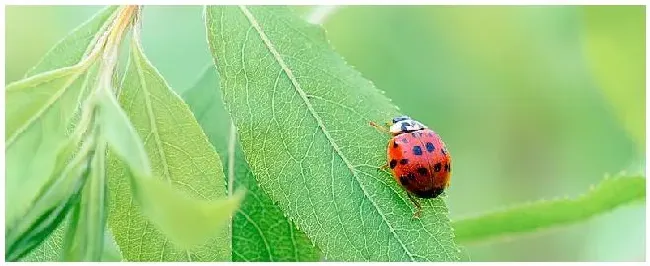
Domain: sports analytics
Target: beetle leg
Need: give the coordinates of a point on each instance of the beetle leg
(417, 206)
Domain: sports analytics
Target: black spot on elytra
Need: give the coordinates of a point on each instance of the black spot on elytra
(437, 167)
(403, 161)
(447, 167)
(430, 147)
(404, 140)
(417, 150)
(429, 194)
(404, 180)
(422, 171)
(411, 176)
(394, 144)
(393, 163)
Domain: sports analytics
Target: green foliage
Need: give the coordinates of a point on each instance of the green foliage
(51, 205)
(105, 162)
(52, 248)
(37, 109)
(302, 115)
(606, 196)
(181, 156)
(85, 237)
(122, 137)
(44, 105)
(260, 231)
(51, 101)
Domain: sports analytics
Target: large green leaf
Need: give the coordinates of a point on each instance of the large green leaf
(303, 118)
(608, 195)
(615, 42)
(181, 155)
(260, 232)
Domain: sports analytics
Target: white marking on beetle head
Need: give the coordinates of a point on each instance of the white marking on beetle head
(404, 124)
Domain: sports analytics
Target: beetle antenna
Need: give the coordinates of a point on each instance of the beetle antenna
(380, 128)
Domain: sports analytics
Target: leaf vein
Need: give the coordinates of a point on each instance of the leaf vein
(269, 45)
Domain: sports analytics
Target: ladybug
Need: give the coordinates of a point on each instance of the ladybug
(418, 159)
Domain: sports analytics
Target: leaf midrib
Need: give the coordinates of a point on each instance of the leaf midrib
(147, 101)
(154, 128)
(278, 58)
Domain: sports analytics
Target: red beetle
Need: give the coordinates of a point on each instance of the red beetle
(418, 159)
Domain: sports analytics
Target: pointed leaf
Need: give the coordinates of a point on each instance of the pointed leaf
(303, 118)
(182, 157)
(608, 195)
(260, 230)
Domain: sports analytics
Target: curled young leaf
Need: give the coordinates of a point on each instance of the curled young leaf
(85, 235)
(120, 135)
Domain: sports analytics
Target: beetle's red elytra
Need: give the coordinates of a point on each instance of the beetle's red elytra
(417, 158)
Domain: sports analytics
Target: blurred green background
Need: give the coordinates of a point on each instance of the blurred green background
(533, 102)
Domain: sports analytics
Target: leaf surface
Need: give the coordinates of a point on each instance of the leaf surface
(181, 156)
(303, 118)
(611, 193)
(52, 248)
(260, 232)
